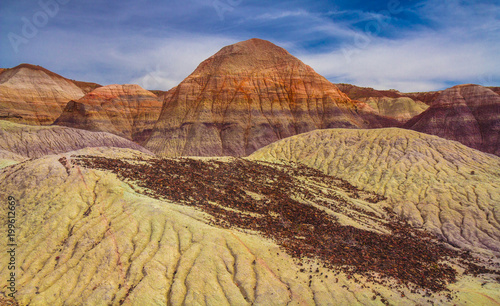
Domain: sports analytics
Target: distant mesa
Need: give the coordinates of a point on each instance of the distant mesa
(31, 94)
(401, 109)
(391, 103)
(359, 93)
(128, 111)
(495, 89)
(86, 87)
(246, 96)
(467, 113)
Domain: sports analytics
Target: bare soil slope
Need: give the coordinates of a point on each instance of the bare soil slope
(31, 94)
(36, 141)
(128, 111)
(442, 185)
(117, 226)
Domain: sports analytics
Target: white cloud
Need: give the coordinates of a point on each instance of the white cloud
(458, 41)
(282, 14)
(152, 62)
(166, 65)
(412, 64)
(463, 46)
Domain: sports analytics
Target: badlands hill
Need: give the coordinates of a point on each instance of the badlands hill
(358, 93)
(31, 94)
(86, 87)
(441, 185)
(469, 114)
(246, 96)
(391, 103)
(128, 111)
(495, 89)
(36, 141)
(117, 226)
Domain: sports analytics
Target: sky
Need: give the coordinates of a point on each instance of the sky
(408, 45)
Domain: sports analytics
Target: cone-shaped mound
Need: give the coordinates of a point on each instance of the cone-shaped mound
(246, 96)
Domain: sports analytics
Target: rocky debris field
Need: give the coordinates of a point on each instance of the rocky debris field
(291, 205)
(443, 186)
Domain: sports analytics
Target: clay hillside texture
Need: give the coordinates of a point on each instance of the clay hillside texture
(444, 186)
(469, 114)
(33, 95)
(255, 181)
(128, 111)
(36, 141)
(246, 96)
(120, 227)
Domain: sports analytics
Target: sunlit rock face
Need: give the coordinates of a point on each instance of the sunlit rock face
(469, 114)
(359, 93)
(124, 110)
(246, 96)
(33, 95)
(402, 109)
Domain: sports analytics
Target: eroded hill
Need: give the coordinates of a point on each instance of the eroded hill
(391, 103)
(467, 113)
(441, 185)
(128, 111)
(31, 94)
(249, 95)
(37, 141)
(117, 226)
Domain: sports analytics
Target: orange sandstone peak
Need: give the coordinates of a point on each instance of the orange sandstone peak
(253, 54)
(34, 95)
(246, 96)
(125, 110)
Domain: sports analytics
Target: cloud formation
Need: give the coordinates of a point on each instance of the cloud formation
(406, 45)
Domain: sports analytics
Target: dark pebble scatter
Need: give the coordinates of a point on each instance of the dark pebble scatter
(273, 201)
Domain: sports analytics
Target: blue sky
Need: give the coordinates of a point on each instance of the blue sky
(406, 45)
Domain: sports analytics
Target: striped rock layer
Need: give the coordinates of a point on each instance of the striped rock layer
(246, 96)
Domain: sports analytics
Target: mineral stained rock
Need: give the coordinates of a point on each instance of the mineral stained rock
(246, 96)
(30, 94)
(469, 114)
(128, 111)
(402, 109)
